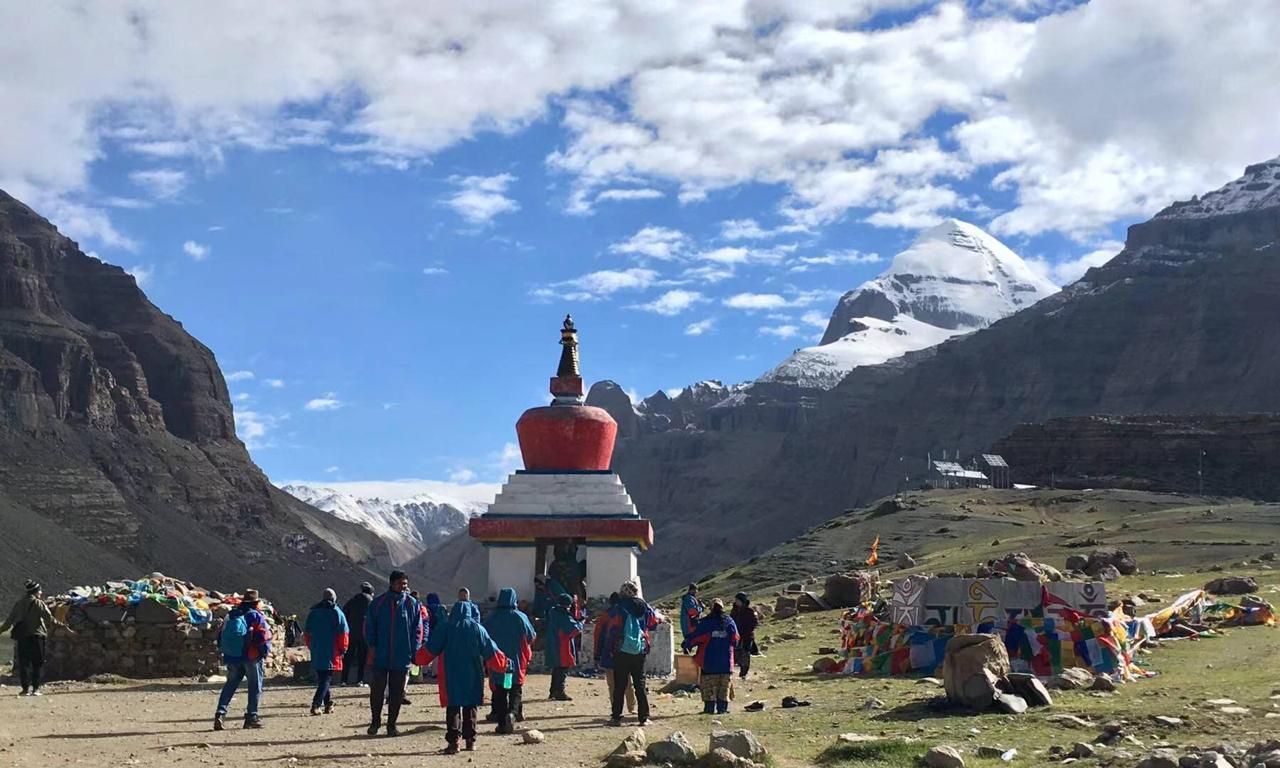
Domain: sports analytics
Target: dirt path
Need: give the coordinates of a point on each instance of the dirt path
(168, 723)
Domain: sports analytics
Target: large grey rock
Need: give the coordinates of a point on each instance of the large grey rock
(1030, 688)
(943, 757)
(972, 669)
(674, 749)
(1010, 704)
(636, 741)
(1072, 678)
(1160, 758)
(1232, 585)
(741, 742)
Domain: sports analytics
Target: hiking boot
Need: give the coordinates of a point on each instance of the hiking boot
(561, 696)
(315, 711)
(492, 717)
(452, 749)
(614, 722)
(328, 708)
(471, 745)
(708, 707)
(392, 730)
(722, 707)
(373, 729)
(507, 725)
(253, 722)
(218, 725)
(36, 692)
(24, 692)
(404, 702)
(644, 722)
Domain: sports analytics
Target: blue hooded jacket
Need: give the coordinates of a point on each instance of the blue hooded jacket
(511, 630)
(394, 630)
(562, 637)
(326, 635)
(715, 637)
(465, 650)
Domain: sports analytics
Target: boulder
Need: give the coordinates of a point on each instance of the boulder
(906, 561)
(533, 736)
(825, 665)
(1071, 678)
(1161, 758)
(972, 669)
(943, 757)
(152, 612)
(674, 749)
(1120, 559)
(635, 742)
(1077, 562)
(1232, 585)
(1030, 688)
(723, 758)
(1010, 704)
(625, 759)
(845, 590)
(740, 742)
(1107, 573)
(785, 607)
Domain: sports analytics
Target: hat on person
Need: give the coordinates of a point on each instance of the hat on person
(464, 593)
(251, 595)
(329, 594)
(397, 575)
(693, 586)
(742, 598)
(614, 597)
(433, 599)
(629, 589)
(565, 599)
(366, 588)
(33, 586)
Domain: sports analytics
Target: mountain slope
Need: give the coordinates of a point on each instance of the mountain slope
(116, 432)
(955, 278)
(407, 526)
(1183, 320)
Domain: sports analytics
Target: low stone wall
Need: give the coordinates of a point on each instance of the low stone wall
(659, 663)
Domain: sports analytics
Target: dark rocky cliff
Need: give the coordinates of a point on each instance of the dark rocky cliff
(117, 441)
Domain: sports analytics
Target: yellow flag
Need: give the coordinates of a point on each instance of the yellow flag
(874, 557)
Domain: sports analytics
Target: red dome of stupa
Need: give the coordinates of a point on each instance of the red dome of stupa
(567, 436)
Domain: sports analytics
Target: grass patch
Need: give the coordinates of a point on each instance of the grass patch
(884, 752)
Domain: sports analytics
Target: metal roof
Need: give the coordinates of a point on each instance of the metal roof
(994, 460)
(947, 466)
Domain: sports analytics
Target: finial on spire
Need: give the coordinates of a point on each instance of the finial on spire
(566, 385)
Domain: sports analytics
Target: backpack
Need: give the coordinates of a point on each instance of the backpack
(632, 635)
(235, 635)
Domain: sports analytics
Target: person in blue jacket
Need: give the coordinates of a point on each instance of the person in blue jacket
(562, 645)
(327, 636)
(513, 632)
(690, 610)
(715, 637)
(246, 660)
(465, 650)
(394, 631)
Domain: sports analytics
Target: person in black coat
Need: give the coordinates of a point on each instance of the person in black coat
(358, 651)
(745, 616)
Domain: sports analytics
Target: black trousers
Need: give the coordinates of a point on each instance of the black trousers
(629, 666)
(508, 702)
(30, 661)
(388, 683)
(460, 721)
(558, 677)
(354, 659)
(742, 654)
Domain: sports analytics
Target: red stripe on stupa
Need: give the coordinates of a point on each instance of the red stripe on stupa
(638, 531)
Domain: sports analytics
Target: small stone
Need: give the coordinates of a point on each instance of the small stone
(1161, 758)
(1010, 704)
(534, 736)
(1220, 702)
(1168, 722)
(856, 738)
(1072, 678)
(929, 681)
(635, 742)
(1082, 750)
(1234, 710)
(873, 703)
(943, 757)
(1103, 683)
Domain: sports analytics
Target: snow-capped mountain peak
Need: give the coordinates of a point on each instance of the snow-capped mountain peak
(953, 279)
(1258, 188)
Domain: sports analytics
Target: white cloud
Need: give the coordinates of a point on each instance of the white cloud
(240, 376)
(142, 274)
(814, 318)
(756, 301)
(1071, 270)
(598, 285)
(781, 331)
(328, 402)
(699, 327)
(835, 258)
(462, 475)
(672, 302)
(160, 183)
(750, 229)
(242, 397)
(254, 428)
(643, 193)
(480, 198)
(195, 250)
(274, 383)
(431, 271)
(332, 470)
(653, 242)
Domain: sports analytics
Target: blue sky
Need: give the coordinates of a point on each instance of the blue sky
(377, 220)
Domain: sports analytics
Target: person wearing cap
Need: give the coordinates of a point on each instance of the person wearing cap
(246, 664)
(29, 621)
(562, 645)
(745, 617)
(466, 651)
(714, 637)
(354, 610)
(511, 629)
(627, 636)
(690, 610)
(327, 637)
(603, 651)
(394, 631)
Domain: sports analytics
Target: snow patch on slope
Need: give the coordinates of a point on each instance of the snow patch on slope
(1258, 188)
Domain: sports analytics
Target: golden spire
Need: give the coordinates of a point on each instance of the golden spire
(568, 355)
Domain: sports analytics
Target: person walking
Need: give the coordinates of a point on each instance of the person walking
(358, 651)
(745, 617)
(714, 637)
(436, 615)
(511, 629)
(603, 652)
(28, 624)
(563, 632)
(690, 610)
(465, 651)
(245, 642)
(394, 631)
(327, 636)
(630, 622)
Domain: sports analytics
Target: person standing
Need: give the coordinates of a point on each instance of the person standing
(563, 632)
(30, 620)
(465, 650)
(630, 622)
(394, 631)
(245, 642)
(603, 652)
(715, 637)
(511, 629)
(690, 610)
(436, 616)
(357, 653)
(327, 636)
(745, 617)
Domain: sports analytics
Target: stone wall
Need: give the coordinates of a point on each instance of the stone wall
(660, 662)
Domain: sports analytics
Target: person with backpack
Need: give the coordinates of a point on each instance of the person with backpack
(245, 643)
(630, 622)
(511, 629)
(394, 631)
(715, 637)
(327, 637)
(563, 632)
(355, 610)
(30, 620)
(603, 652)
(465, 650)
(745, 617)
(690, 610)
